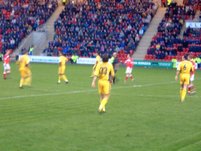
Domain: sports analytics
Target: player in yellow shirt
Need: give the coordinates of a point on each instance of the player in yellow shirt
(25, 71)
(184, 69)
(98, 60)
(62, 68)
(105, 73)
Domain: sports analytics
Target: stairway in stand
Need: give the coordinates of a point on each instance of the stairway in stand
(151, 31)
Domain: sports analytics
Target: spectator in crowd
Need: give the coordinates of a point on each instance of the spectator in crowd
(167, 41)
(19, 18)
(104, 25)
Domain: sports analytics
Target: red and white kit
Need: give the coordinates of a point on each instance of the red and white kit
(6, 65)
(129, 65)
(192, 77)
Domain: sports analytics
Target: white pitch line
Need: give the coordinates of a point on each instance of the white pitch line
(81, 91)
(45, 94)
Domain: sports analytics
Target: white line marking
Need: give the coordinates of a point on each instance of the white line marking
(82, 91)
(46, 94)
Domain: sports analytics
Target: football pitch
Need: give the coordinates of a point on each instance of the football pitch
(143, 115)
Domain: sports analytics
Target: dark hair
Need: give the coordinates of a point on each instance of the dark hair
(98, 52)
(105, 57)
(186, 56)
(24, 51)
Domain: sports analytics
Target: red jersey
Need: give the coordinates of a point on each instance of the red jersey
(194, 67)
(6, 59)
(129, 63)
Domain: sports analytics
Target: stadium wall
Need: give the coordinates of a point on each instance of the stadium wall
(91, 61)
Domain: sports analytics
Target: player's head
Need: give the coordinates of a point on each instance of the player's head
(60, 53)
(97, 53)
(128, 56)
(25, 51)
(105, 57)
(190, 56)
(185, 57)
(8, 51)
(114, 54)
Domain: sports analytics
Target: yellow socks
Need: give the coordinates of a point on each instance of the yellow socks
(21, 82)
(102, 105)
(62, 77)
(183, 95)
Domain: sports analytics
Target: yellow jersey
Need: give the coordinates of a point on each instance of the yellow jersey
(104, 70)
(185, 67)
(62, 61)
(23, 62)
(98, 59)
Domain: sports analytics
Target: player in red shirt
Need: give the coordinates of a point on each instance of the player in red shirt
(129, 68)
(6, 64)
(191, 87)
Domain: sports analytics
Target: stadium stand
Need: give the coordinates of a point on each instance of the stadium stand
(101, 26)
(19, 18)
(167, 43)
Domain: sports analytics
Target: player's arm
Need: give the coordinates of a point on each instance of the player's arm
(176, 76)
(96, 63)
(93, 84)
(192, 68)
(60, 62)
(94, 67)
(27, 63)
(177, 72)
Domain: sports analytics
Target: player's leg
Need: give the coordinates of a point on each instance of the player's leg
(191, 88)
(183, 93)
(181, 86)
(126, 78)
(4, 71)
(100, 108)
(126, 75)
(8, 69)
(106, 95)
(131, 76)
(22, 79)
(59, 78)
(59, 75)
(4, 75)
(105, 101)
(115, 77)
(28, 78)
(64, 77)
(184, 87)
(100, 91)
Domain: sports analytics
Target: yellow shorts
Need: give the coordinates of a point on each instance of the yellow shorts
(104, 87)
(61, 70)
(25, 73)
(184, 79)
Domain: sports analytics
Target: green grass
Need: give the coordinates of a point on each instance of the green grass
(144, 115)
